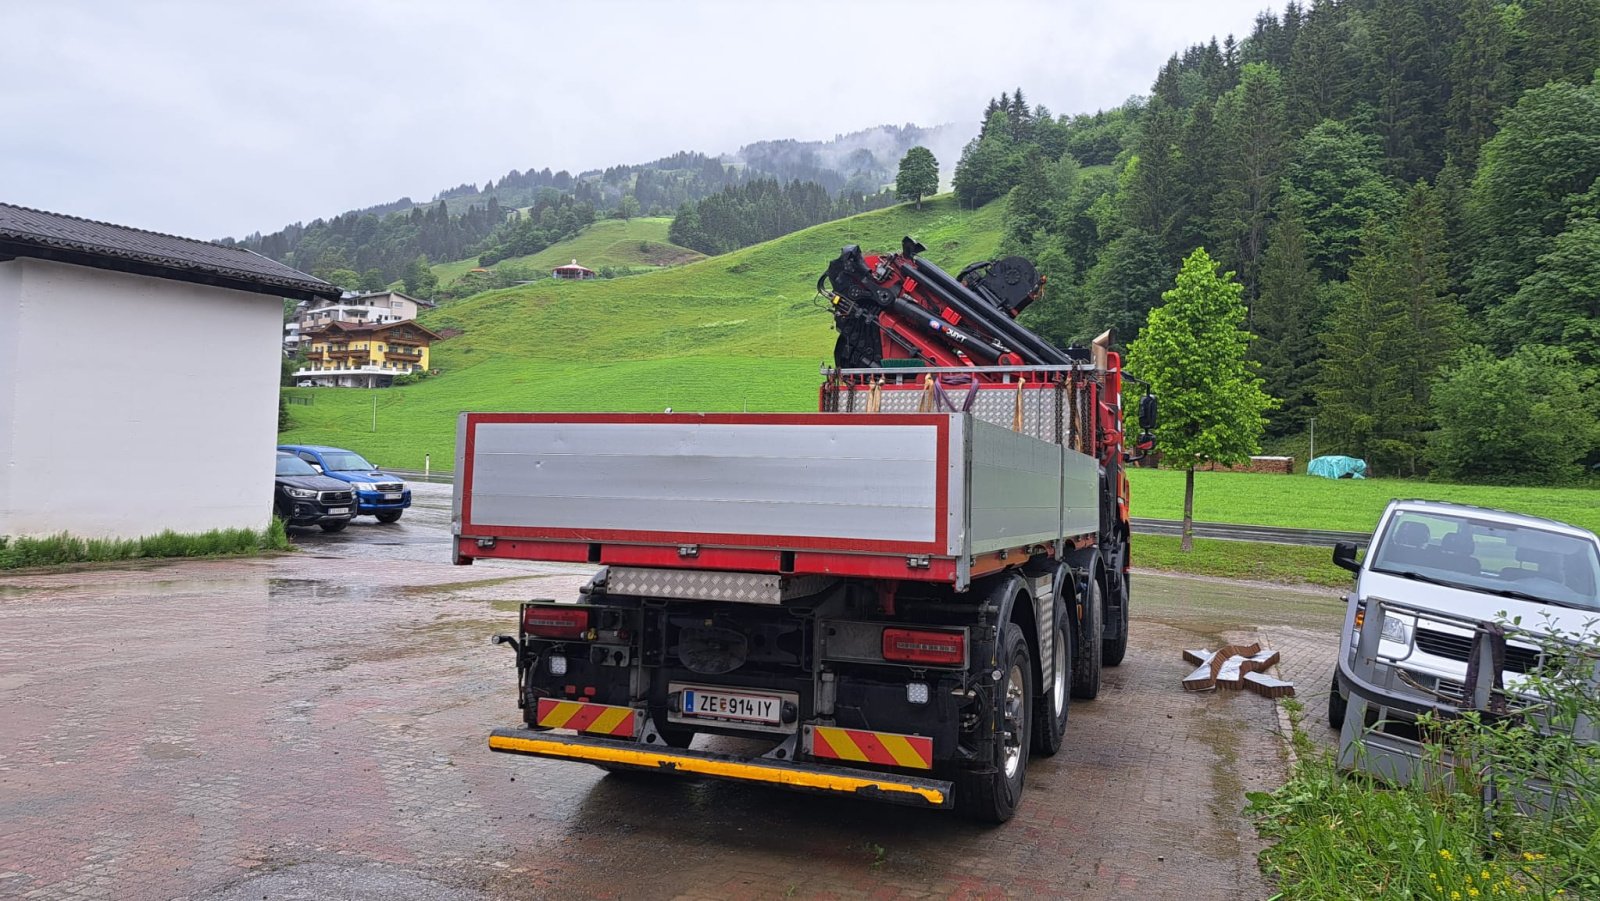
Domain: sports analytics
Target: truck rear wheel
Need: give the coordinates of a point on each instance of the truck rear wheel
(993, 793)
(1090, 647)
(1117, 648)
(1050, 723)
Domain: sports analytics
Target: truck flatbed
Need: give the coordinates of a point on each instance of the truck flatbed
(931, 496)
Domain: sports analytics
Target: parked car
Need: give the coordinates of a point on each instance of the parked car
(301, 497)
(377, 493)
(1453, 606)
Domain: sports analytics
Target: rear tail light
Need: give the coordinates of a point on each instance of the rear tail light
(555, 622)
(926, 647)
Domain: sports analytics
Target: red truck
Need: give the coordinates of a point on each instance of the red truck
(897, 595)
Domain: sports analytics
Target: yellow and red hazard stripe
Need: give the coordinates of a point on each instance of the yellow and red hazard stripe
(593, 719)
(861, 746)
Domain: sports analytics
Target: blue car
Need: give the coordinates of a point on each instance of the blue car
(377, 493)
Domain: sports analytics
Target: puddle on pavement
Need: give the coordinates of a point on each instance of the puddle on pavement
(165, 750)
(322, 590)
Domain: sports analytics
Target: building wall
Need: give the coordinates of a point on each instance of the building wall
(10, 310)
(137, 404)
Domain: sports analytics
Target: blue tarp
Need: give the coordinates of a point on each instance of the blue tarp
(1335, 467)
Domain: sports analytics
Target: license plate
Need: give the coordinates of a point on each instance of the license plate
(391, 496)
(740, 707)
(334, 511)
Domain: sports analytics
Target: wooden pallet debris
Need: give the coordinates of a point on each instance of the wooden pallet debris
(1235, 667)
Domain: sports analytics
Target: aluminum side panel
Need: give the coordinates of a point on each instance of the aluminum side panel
(1015, 489)
(1080, 494)
(459, 478)
(956, 534)
(844, 481)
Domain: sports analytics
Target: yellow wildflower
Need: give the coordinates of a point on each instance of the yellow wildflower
(1445, 853)
(1485, 874)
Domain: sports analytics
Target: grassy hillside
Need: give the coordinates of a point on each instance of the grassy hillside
(636, 243)
(734, 332)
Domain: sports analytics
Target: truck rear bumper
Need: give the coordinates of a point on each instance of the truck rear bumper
(890, 787)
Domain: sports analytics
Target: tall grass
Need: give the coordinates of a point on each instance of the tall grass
(62, 548)
(1347, 835)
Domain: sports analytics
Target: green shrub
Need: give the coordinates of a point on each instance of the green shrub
(62, 548)
(1346, 835)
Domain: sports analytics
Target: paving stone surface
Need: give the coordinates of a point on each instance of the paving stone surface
(314, 725)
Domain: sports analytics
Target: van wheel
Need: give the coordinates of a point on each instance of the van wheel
(992, 794)
(1338, 704)
(388, 516)
(1090, 647)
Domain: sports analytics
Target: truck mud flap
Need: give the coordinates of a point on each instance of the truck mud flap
(888, 787)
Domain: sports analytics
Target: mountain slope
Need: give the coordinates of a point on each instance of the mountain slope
(739, 331)
(635, 243)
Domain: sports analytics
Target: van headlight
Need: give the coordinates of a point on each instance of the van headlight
(300, 492)
(1395, 630)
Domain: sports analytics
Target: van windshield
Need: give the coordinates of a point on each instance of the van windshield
(1492, 556)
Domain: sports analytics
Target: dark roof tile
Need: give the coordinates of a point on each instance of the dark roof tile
(30, 232)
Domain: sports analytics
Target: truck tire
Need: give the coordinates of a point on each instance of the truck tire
(334, 526)
(388, 516)
(1091, 647)
(992, 794)
(1055, 697)
(1117, 648)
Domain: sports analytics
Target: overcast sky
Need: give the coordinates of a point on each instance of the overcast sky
(212, 118)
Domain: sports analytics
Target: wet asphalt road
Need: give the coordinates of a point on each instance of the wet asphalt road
(312, 726)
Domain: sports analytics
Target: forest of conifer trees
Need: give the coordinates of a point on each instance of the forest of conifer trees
(1407, 192)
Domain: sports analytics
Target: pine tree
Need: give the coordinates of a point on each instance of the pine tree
(1252, 143)
(1126, 281)
(1286, 321)
(1199, 158)
(1193, 353)
(1387, 339)
(1324, 69)
(1560, 42)
(1153, 195)
(1480, 80)
(1408, 94)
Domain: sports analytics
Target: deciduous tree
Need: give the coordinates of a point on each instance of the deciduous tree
(1532, 416)
(1193, 353)
(919, 175)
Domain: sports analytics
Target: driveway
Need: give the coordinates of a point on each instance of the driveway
(313, 725)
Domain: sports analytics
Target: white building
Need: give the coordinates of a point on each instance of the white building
(138, 378)
(355, 309)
